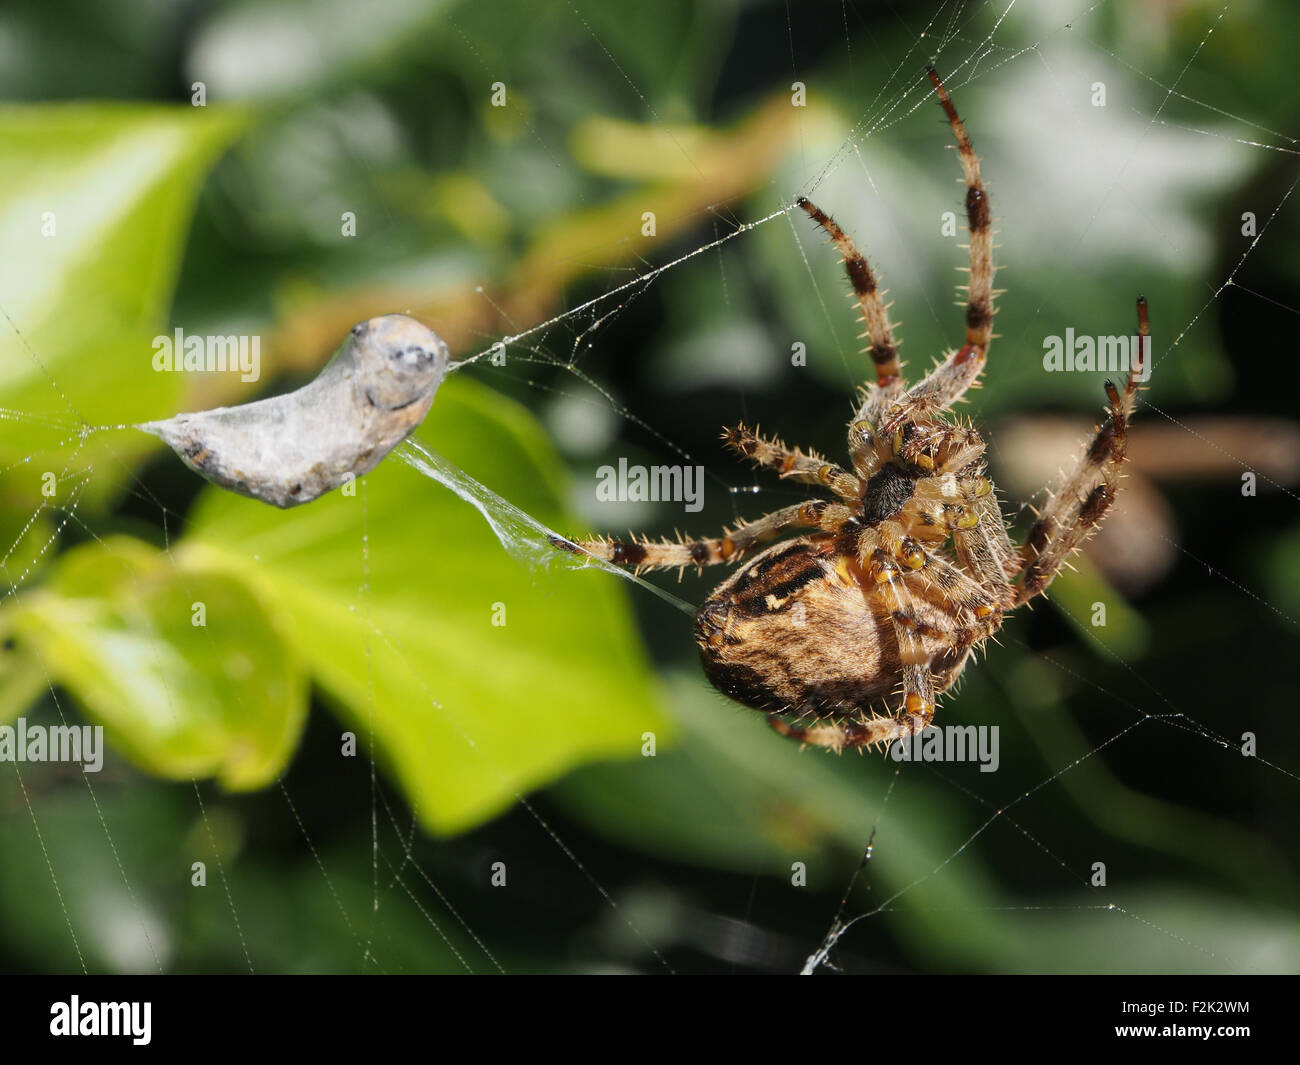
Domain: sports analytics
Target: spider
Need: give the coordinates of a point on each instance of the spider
(845, 634)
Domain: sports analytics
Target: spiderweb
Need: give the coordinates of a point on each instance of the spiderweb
(907, 840)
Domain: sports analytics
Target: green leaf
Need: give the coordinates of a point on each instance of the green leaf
(390, 597)
(95, 201)
(183, 668)
(386, 599)
(477, 678)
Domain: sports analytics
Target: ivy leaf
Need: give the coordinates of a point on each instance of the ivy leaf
(477, 677)
(472, 676)
(182, 667)
(95, 202)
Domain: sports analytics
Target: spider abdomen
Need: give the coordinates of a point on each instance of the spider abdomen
(792, 631)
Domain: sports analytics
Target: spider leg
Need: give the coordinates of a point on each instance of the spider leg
(964, 449)
(925, 631)
(1080, 503)
(856, 735)
(793, 464)
(939, 582)
(868, 450)
(875, 316)
(961, 504)
(985, 550)
(912, 624)
(918, 696)
(647, 554)
(894, 567)
(940, 389)
(979, 302)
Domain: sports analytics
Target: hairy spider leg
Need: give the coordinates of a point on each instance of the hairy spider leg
(938, 391)
(1081, 501)
(648, 554)
(793, 464)
(979, 287)
(912, 627)
(875, 315)
(986, 552)
(938, 580)
(923, 629)
(948, 382)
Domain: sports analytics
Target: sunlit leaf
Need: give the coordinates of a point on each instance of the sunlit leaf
(477, 677)
(95, 202)
(183, 668)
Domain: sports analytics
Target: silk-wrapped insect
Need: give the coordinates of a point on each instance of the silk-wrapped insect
(293, 448)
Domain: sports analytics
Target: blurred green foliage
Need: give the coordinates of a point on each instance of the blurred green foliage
(115, 622)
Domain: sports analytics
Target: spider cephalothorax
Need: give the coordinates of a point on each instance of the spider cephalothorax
(853, 627)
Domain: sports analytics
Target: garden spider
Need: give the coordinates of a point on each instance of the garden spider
(870, 610)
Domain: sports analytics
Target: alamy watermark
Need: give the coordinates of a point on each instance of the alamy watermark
(195, 354)
(22, 742)
(1085, 354)
(951, 743)
(651, 484)
(77, 1018)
